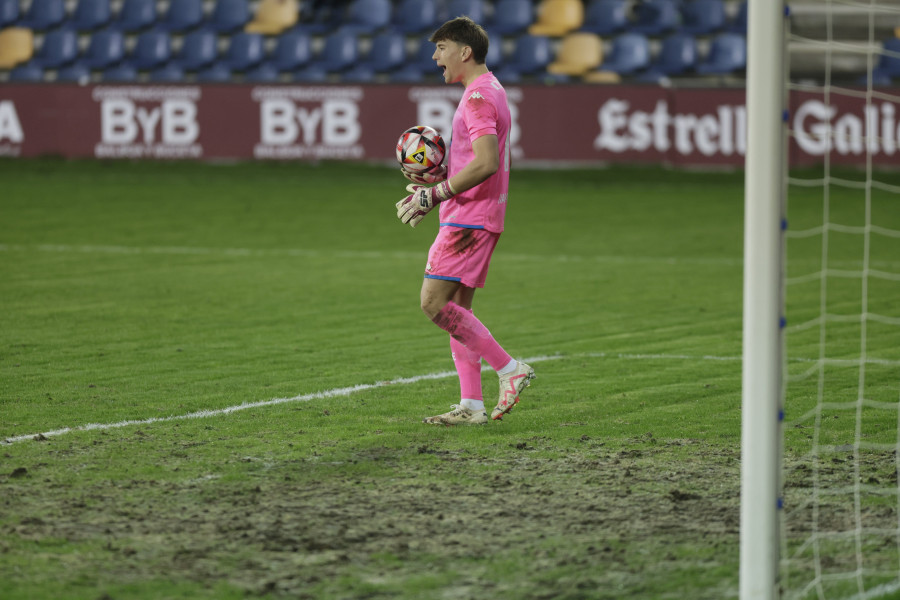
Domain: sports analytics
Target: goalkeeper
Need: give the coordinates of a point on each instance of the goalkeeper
(472, 194)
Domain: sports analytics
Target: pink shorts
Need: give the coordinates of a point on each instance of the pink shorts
(462, 255)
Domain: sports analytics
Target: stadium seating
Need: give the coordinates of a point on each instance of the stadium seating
(292, 51)
(655, 17)
(27, 72)
(273, 17)
(341, 51)
(888, 68)
(152, 50)
(630, 53)
(727, 55)
(415, 16)
(511, 17)
(59, 48)
(245, 51)
(605, 17)
(91, 14)
(167, 73)
(388, 52)
(9, 12)
(44, 14)
(229, 16)
(739, 23)
(677, 56)
(703, 17)
(365, 17)
(474, 9)
(262, 73)
(106, 48)
(16, 46)
(530, 56)
(215, 73)
(310, 74)
(199, 49)
(121, 73)
(578, 54)
(74, 73)
(182, 16)
(136, 15)
(555, 18)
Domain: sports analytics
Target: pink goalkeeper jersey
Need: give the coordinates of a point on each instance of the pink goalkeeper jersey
(483, 110)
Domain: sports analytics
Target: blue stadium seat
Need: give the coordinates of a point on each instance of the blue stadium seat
(106, 48)
(215, 73)
(121, 73)
(44, 14)
(367, 16)
(606, 17)
(727, 54)
(340, 52)
(136, 15)
(27, 72)
(199, 49)
(473, 9)
(361, 73)
(245, 51)
(739, 23)
(262, 73)
(9, 12)
(153, 49)
(512, 17)
(656, 17)
(74, 73)
(168, 73)
(91, 14)
(182, 16)
(415, 16)
(630, 54)
(419, 65)
(531, 55)
(494, 58)
(703, 17)
(60, 48)
(310, 74)
(292, 51)
(388, 52)
(229, 16)
(888, 68)
(677, 56)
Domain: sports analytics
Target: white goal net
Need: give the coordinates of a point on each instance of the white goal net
(840, 520)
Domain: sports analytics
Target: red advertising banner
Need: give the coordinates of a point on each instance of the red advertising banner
(551, 124)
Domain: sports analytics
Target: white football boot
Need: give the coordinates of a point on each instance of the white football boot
(511, 385)
(460, 415)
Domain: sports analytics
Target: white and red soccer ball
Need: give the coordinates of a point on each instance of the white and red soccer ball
(420, 150)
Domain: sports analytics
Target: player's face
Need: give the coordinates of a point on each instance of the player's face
(449, 57)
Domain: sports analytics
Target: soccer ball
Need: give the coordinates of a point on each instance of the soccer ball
(420, 150)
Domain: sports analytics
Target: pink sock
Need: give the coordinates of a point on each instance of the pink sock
(467, 329)
(468, 367)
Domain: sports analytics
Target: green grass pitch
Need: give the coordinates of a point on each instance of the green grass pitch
(167, 294)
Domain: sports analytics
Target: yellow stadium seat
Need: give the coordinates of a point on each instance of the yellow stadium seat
(555, 18)
(274, 16)
(16, 46)
(578, 54)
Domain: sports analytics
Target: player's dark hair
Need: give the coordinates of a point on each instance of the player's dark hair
(465, 32)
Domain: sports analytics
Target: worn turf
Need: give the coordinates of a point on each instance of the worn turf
(137, 296)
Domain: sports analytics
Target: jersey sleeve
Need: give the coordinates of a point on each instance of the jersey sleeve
(480, 116)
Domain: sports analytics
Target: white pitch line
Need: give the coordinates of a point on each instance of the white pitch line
(346, 391)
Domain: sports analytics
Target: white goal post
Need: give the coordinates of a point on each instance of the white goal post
(762, 326)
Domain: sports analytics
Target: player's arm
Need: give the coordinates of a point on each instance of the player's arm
(421, 200)
(486, 162)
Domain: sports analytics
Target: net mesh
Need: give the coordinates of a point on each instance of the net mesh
(840, 532)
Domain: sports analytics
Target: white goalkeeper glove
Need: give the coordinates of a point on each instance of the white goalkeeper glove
(421, 200)
(436, 176)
